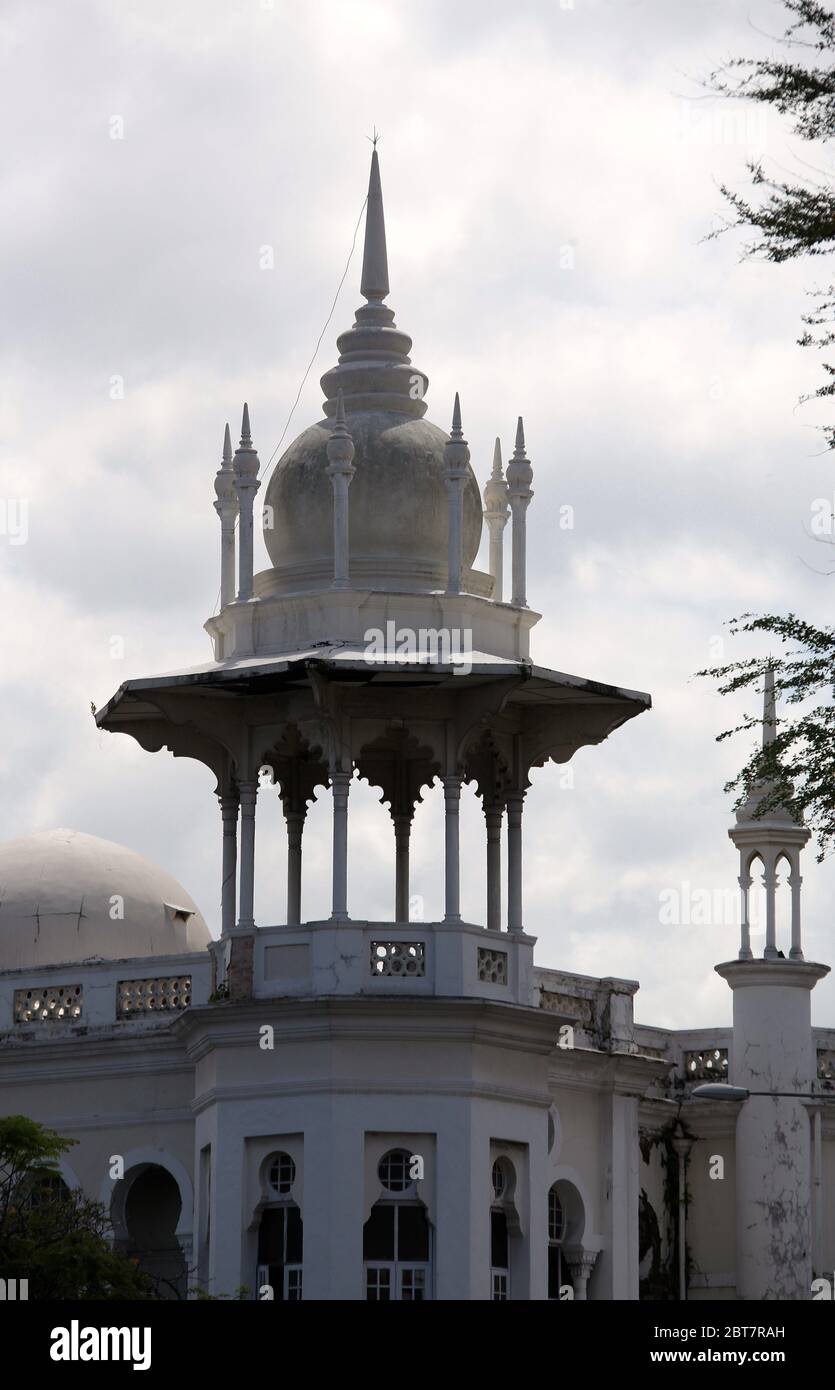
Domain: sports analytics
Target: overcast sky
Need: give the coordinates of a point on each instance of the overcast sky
(550, 172)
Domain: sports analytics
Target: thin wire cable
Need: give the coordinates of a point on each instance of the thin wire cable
(318, 344)
(270, 460)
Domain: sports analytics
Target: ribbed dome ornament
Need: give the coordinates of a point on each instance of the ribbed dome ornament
(375, 371)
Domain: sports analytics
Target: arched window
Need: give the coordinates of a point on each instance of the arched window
(280, 1234)
(282, 1175)
(396, 1238)
(556, 1232)
(503, 1178)
(45, 1188)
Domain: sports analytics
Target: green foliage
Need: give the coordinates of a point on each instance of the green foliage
(796, 770)
(792, 217)
(57, 1242)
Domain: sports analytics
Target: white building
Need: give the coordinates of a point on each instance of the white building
(348, 1109)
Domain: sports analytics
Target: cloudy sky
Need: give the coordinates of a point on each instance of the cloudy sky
(550, 171)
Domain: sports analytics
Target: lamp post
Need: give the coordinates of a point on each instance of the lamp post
(720, 1090)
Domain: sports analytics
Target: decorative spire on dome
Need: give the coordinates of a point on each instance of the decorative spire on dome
(456, 460)
(226, 507)
(245, 465)
(519, 479)
(375, 371)
(769, 709)
(496, 512)
(375, 267)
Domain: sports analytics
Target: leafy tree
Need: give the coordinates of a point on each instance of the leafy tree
(790, 218)
(49, 1235)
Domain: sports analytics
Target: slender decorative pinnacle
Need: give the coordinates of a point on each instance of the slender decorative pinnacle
(495, 489)
(519, 471)
(375, 272)
(246, 435)
(769, 709)
(224, 478)
(456, 449)
(340, 446)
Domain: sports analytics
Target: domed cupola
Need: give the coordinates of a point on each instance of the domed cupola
(398, 500)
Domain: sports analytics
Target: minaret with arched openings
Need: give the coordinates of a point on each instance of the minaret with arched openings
(772, 1056)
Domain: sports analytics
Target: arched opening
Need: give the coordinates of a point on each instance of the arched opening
(783, 906)
(756, 904)
(397, 1237)
(566, 1224)
(280, 1234)
(44, 1189)
(151, 1212)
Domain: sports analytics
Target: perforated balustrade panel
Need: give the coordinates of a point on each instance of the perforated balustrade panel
(53, 1004)
(492, 966)
(162, 995)
(393, 959)
(711, 1064)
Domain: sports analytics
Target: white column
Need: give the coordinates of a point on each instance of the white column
(581, 1263)
(682, 1146)
(493, 815)
(340, 450)
(456, 461)
(246, 908)
(402, 834)
(817, 1142)
(770, 881)
(229, 814)
(452, 802)
(515, 803)
(796, 952)
(295, 828)
(341, 784)
(745, 952)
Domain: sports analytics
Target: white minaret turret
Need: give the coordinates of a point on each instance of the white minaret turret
(340, 470)
(245, 467)
(226, 507)
(456, 459)
(519, 479)
(770, 839)
(772, 1057)
(496, 512)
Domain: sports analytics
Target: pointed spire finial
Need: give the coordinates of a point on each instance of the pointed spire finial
(496, 475)
(457, 432)
(769, 709)
(519, 450)
(227, 447)
(246, 435)
(375, 271)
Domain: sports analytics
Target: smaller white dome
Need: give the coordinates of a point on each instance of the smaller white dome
(66, 897)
